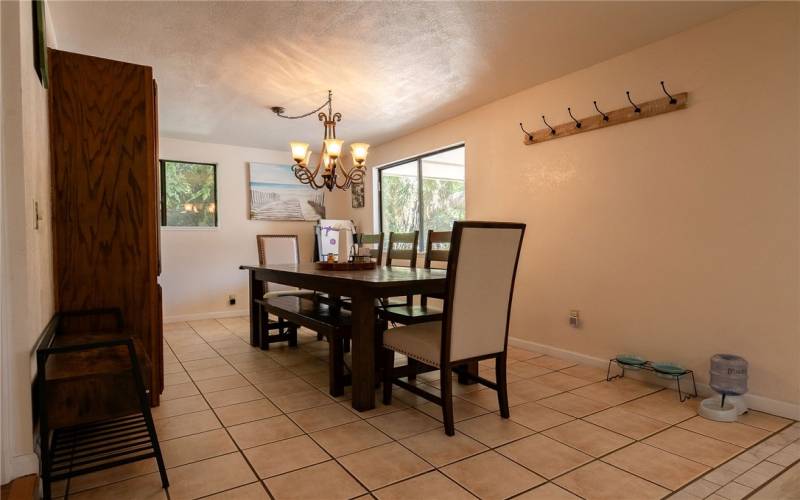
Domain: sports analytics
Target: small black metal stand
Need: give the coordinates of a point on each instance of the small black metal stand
(648, 366)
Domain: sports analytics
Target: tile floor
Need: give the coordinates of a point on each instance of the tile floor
(240, 423)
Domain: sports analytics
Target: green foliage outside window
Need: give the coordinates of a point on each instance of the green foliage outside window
(189, 194)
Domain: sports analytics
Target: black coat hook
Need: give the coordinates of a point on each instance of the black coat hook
(636, 107)
(552, 130)
(530, 136)
(672, 100)
(577, 123)
(605, 116)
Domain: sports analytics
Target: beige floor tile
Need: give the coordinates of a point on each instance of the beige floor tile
(588, 438)
(222, 383)
(380, 408)
(493, 430)
(233, 345)
(440, 449)
(244, 357)
(308, 367)
(328, 481)
(551, 363)
(693, 446)
(202, 364)
(405, 423)
(283, 387)
(255, 365)
(616, 391)
(301, 400)
(209, 476)
(180, 406)
(530, 390)
(721, 476)
(264, 431)
(658, 466)
(627, 423)
(184, 425)
(462, 410)
(787, 455)
(760, 474)
(548, 491)
(492, 476)
(572, 404)
(349, 438)
(732, 432)
(252, 491)
(246, 412)
(700, 488)
(323, 417)
(269, 376)
(176, 378)
(432, 485)
(213, 372)
(140, 488)
(546, 457)
(179, 391)
(600, 481)
(784, 487)
(525, 370)
(173, 368)
(187, 449)
(764, 420)
(588, 373)
(664, 406)
(284, 456)
(233, 396)
(734, 491)
(538, 417)
(105, 477)
(383, 465)
(561, 381)
(487, 398)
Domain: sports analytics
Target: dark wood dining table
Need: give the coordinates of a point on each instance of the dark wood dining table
(363, 287)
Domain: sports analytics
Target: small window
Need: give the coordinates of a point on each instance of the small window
(188, 194)
(422, 193)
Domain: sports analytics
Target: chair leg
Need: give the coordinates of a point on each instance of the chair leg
(263, 331)
(447, 400)
(320, 336)
(502, 386)
(335, 366)
(413, 367)
(388, 368)
(292, 335)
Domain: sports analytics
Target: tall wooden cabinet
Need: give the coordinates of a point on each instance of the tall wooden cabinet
(104, 160)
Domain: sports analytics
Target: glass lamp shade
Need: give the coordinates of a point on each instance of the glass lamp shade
(333, 147)
(299, 150)
(358, 151)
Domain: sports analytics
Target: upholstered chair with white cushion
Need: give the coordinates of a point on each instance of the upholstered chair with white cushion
(481, 267)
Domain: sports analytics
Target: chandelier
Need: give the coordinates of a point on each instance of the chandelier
(333, 171)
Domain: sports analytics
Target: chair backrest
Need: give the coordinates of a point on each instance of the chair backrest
(403, 246)
(277, 249)
(375, 253)
(437, 247)
(480, 283)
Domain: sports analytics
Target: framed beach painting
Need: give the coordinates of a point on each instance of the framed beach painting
(276, 194)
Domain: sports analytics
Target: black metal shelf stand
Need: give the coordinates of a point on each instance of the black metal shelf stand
(648, 366)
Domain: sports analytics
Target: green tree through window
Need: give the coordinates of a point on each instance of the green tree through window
(188, 194)
(405, 207)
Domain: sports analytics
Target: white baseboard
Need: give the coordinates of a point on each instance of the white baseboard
(23, 465)
(228, 313)
(767, 405)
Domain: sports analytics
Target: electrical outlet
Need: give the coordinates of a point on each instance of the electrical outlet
(231, 300)
(574, 318)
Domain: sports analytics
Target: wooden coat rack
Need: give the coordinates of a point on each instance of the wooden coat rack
(602, 120)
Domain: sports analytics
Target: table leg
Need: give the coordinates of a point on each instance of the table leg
(471, 368)
(254, 324)
(363, 320)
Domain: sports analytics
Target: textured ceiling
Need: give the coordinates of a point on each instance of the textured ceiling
(394, 67)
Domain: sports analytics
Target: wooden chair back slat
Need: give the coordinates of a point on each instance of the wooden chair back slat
(372, 239)
(403, 246)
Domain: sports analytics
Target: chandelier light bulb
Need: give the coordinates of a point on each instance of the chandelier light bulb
(299, 150)
(333, 147)
(358, 151)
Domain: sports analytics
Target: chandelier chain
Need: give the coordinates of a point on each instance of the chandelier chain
(279, 111)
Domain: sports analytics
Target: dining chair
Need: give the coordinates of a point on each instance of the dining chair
(376, 239)
(278, 249)
(482, 265)
(402, 246)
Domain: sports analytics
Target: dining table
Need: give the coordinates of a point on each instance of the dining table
(363, 287)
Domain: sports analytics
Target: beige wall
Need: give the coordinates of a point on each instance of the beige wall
(200, 267)
(26, 252)
(677, 236)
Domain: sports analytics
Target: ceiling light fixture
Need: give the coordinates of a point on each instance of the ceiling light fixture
(334, 173)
